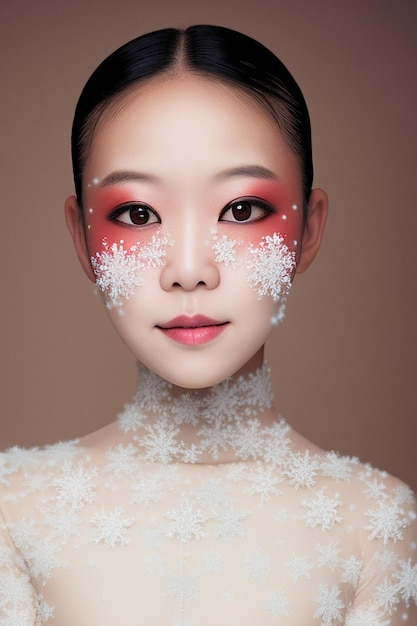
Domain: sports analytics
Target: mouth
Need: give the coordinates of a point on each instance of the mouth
(192, 331)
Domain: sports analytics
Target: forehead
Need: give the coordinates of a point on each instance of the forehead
(174, 127)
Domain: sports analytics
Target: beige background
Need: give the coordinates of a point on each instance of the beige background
(345, 360)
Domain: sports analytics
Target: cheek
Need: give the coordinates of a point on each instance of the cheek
(265, 251)
(120, 270)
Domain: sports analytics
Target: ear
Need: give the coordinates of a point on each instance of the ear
(75, 225)
(313, 229)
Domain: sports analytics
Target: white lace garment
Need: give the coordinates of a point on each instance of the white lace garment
(198, 510)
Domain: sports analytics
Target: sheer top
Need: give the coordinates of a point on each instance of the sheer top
(196, 510)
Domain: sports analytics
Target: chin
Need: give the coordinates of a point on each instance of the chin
(201, 372)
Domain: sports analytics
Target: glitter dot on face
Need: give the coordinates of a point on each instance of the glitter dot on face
(294, 207)
(95, 181)
(283, 217)
(90, 210)
(295, 242)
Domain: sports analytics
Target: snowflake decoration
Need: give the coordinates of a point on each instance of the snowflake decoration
(44, 611)
(406, 579)
(302, 469)
(276, 604)
(230, 524)
(276, 447)
(351, 571)
(131, 419)
(111, 527)
(75, 486)
(38, 553)
(300, 566)
(256, 565)
(329, 554)
(271, 267)
(386, 596)
(263, 483)
(187, 522)
(116, 270)
(224, 249)
(160, 442)
(153, 487)
(153, 254)
(64, 523)
(375, 490)
(337, 467)
(182, 587)
(386, 521)
(247, 440)
(404, 495)
(60, 452)
(329, 605)
(123, 460)
(322, 511)
(213, 494)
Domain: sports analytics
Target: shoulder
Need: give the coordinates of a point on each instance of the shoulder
(18, 464)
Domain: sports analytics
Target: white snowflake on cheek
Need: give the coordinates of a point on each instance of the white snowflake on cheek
(271, 267)
(224, 250)
(116, 270)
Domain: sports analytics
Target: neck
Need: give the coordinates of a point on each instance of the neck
(219, 424)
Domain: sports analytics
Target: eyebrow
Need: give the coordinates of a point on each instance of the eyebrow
(254, 171)
(125, 176)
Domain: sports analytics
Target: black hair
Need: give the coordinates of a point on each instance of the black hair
(211, 51)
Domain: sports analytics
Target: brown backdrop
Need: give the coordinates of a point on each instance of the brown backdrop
(345, 360)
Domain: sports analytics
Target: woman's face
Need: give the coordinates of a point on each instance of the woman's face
(193, 227)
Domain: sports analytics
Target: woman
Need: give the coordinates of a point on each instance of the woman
(193, 212)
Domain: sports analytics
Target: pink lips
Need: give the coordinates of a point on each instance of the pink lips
(194, 330)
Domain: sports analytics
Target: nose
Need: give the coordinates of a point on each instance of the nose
(189, 261)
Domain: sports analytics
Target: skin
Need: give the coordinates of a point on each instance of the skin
(191, 147)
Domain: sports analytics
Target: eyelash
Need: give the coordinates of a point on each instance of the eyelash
(265, 209)
(147, 212)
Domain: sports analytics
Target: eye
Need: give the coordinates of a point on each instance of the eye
(245, 210)
(135, 214)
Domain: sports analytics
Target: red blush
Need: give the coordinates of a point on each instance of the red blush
(99, 226)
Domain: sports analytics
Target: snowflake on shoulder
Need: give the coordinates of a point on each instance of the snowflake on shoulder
(387, 521)
(322, 510)
(301, 470)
